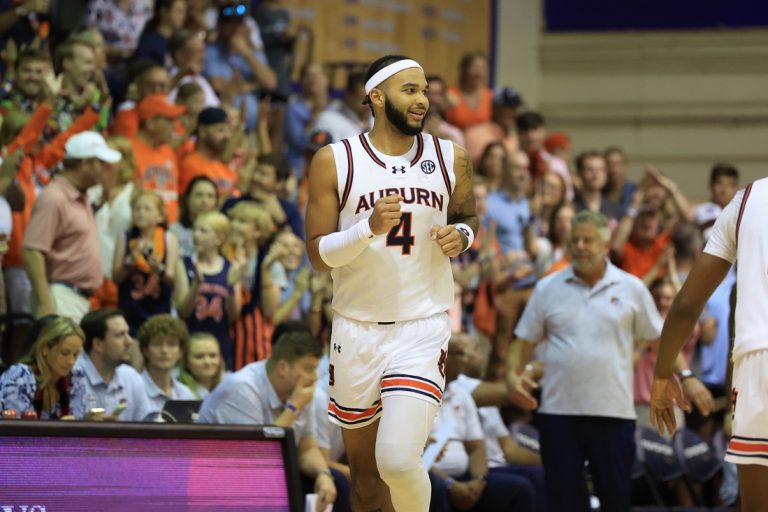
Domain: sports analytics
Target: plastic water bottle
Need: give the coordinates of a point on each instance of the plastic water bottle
(90, 402)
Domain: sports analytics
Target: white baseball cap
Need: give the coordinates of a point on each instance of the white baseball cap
(90, 145)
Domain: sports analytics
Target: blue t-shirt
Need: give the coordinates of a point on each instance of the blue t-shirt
(297, 118)
(714, 357)
(153, 45)
(221, 63)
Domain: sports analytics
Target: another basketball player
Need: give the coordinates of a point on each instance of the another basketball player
(739, 234)
(386, 211)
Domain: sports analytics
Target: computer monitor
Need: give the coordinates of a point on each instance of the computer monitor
(48, 466)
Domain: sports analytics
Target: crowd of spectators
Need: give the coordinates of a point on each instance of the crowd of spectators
(152, 193)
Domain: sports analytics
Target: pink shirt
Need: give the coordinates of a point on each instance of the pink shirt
(63, 228)
(644, 368)
(479, 136)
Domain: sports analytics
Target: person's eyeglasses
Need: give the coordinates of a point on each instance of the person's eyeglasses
(233, 11)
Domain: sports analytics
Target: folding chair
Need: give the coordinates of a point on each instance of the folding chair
(699, 461)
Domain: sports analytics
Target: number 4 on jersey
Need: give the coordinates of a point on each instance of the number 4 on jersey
(401, 234)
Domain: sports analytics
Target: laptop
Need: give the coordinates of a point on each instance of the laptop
(180, 411)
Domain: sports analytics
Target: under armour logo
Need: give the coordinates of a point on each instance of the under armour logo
(337, 348)
(398, 170)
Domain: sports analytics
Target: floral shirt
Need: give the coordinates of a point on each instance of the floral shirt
(18, 387)
(121, 29)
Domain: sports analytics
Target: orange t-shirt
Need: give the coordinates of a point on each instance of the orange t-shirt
(195, 164)
(157, 169)
(126, 123)
(463, 116)
(558, 266)
(638, 261)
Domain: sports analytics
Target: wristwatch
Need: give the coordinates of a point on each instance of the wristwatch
(479, 477)
(685, 374)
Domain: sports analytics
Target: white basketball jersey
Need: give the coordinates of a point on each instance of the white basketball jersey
(402, 275)
(751, 277)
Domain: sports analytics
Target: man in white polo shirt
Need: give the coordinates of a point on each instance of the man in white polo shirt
(591, 314)
(116, 387)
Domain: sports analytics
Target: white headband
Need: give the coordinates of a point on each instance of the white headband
(388, 71)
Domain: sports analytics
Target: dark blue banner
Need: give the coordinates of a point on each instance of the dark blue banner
(597, 15)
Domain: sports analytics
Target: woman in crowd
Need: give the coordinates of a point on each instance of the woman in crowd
(492, 164)
(201, 196)
(472, 100)
(168, 18)
(47, 381)
(208, 288)
(145, 261)
(550, 252)
(549, 196)
(120, 23)
(202, 366)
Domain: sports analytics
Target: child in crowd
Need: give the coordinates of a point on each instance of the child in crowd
(291, 274)
(202, 366)
(201, 196)
(252, 229)
(162, 340)
(144, 261)
(208, 284)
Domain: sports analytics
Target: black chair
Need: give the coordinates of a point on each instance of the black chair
(697, 458)
(657, 457)
(14, 328)
(525, 435)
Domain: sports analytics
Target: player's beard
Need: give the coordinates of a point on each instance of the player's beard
(400, 120)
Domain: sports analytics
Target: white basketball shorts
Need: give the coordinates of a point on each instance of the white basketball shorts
(749, 442)
(369, 360)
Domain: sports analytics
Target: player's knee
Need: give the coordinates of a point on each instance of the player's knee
(397, 462)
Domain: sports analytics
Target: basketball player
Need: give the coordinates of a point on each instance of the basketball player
(386, 211)
(739, 234)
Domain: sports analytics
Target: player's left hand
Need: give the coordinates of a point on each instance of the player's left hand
(325, 489)
(448, 238)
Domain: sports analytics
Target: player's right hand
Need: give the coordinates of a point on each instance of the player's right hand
(386, 214)
(303, 392)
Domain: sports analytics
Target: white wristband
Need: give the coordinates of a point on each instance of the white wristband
(341, 247)
(463, 228)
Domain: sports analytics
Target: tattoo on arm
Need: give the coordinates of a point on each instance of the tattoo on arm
(461, 207)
